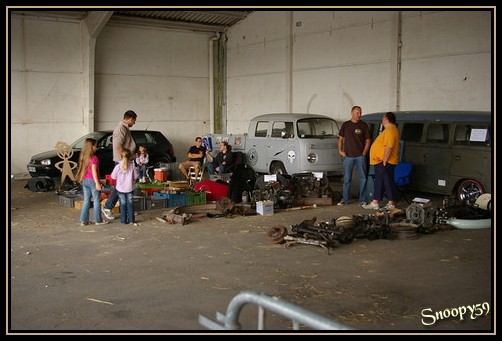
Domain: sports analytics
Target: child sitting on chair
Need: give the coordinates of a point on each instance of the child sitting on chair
(141, 162)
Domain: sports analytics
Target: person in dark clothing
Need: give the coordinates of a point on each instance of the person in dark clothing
(222, 160)
(353, 145)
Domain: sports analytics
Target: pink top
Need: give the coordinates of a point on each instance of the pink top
(88, 173)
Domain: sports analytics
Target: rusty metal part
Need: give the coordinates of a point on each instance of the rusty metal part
(176, 218)
(393, 212)
(224, 204)
(404, 230)
(344, 222)
(298, 240)
(277, 233)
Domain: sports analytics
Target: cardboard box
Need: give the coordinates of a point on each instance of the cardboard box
(265, 207)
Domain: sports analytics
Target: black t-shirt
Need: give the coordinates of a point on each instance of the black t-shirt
(195, 150)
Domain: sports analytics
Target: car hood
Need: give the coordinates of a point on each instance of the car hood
(47, 155)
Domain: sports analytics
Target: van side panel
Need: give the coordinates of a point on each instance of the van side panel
(430, 160)
(257, 145)
(471, 155)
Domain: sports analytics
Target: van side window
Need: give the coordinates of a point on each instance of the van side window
(282, 128)
(472, 135)
(412, 132)
(261, 129)
(437, 133)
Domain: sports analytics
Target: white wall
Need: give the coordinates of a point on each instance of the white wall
(162, 75)
(46, 87)
(345, 58)
(447, 61)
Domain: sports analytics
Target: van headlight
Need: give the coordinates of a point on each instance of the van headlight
(46, 162)
(312, 158)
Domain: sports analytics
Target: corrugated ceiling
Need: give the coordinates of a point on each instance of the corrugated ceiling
(197, 20)
(222, 19)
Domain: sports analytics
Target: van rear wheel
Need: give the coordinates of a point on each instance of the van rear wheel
(468, 191)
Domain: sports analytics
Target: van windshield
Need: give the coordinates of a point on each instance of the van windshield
(317, 128)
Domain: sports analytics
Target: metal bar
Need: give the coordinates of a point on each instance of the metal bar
(278, 306)
(261, 318)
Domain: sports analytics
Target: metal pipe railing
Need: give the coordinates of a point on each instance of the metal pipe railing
(298, 315)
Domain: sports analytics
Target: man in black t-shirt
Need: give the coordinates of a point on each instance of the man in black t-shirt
(353, 144)
(196, 155)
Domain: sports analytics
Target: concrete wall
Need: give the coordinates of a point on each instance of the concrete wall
(46, 87)
(304, 61)
(162, 75)
(326, 62)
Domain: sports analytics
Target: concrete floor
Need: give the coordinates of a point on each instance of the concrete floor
(158, 278)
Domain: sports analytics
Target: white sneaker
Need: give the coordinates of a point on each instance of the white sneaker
(108, 213)
(371, 206)
(103, 222)
(341, 203)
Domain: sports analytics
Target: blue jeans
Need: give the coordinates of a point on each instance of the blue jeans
(211, 166)
(384, 182)
(126, 207)
(141, 171)
(348, 166)
(112, 198)
(89, 187)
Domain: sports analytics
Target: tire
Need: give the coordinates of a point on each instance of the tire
(40, 184)
(468, 191)
(277, 167)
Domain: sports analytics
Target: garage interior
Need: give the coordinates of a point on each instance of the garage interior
(192, 72)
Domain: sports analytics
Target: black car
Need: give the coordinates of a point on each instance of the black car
(160, 151)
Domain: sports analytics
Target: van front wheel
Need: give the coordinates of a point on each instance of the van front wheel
(468, 191)
(277, 168)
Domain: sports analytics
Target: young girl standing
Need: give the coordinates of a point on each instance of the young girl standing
(142, 161)
(88, 175)
(126, 174)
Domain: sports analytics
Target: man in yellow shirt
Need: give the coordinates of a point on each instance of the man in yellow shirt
(384, 157)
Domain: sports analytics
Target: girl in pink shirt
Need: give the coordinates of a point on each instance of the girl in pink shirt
(88, 175)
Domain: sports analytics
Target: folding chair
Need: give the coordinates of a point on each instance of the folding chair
(402, 174)
(195, 178)
(148, 172)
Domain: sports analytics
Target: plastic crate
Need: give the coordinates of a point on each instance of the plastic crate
(67, 201)
(139, 203)
(153, 203)
(161, 194)
(176, 199)
(195, 198)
